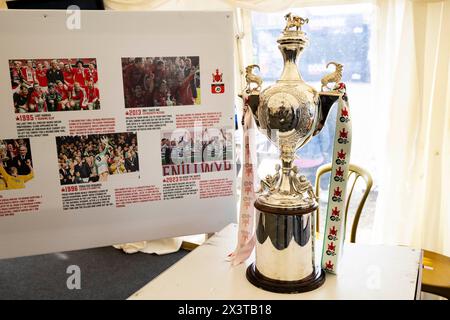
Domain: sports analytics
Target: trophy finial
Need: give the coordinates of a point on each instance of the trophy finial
(250, 78)
(294, 22)
(334, 77)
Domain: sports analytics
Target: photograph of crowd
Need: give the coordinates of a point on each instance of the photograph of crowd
(182, 147)
(50, 85)
(161, 81)
(94, 158)
(16, 164)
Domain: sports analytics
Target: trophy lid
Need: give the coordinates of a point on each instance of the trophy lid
(293, 37)
(291, 44)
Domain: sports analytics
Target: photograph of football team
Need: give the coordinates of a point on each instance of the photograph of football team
(161, 81)
(95, 158)
(16, 164)
(51, 85)
(182, 147)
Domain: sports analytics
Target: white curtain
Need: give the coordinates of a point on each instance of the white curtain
(257, 5)
(412, 93)
(413, 207)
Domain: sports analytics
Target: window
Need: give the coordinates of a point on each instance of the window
(336, 33)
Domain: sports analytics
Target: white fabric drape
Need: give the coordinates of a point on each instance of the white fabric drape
(257, 5)
(159, 247)
(413, 92)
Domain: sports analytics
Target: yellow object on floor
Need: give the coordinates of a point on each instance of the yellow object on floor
(436, 274)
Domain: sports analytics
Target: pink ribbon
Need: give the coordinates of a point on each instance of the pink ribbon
(246, 236)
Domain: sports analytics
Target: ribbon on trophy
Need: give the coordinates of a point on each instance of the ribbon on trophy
(334, 232)
(246, 236)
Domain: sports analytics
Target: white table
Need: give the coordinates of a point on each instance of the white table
(368, 272)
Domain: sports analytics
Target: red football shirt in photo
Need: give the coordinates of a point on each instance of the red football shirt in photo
(68, 77)
(160, 98)
(91, 75)
(185, 92)
(28, 74)
(63, 92)
(34, 97)
(92, 93)
(138, 102)
(78, 95)
(79, 76)
(132, 76)
(16, 77)
(41, 76)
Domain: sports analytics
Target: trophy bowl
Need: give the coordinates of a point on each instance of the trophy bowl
(288, 114)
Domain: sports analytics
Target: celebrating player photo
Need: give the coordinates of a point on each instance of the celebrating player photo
(16, 164)
(95, 158)
(51, 85)
(186, 151)
(161, 81)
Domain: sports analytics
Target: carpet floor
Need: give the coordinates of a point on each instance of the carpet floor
(105, 273)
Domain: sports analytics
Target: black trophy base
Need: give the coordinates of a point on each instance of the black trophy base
(312, 282)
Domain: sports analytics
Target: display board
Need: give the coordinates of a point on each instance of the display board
(116, 130)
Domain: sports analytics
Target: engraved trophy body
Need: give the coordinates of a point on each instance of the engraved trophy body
(289, 113)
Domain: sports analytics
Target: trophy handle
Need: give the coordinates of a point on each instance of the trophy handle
(326, 103)
(252, 90)
(253, 102)
(329, 97)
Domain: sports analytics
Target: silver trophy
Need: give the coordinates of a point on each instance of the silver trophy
(289, 113)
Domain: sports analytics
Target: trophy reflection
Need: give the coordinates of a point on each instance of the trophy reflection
(289, 113)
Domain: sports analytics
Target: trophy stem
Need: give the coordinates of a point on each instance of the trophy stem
(285, 185)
